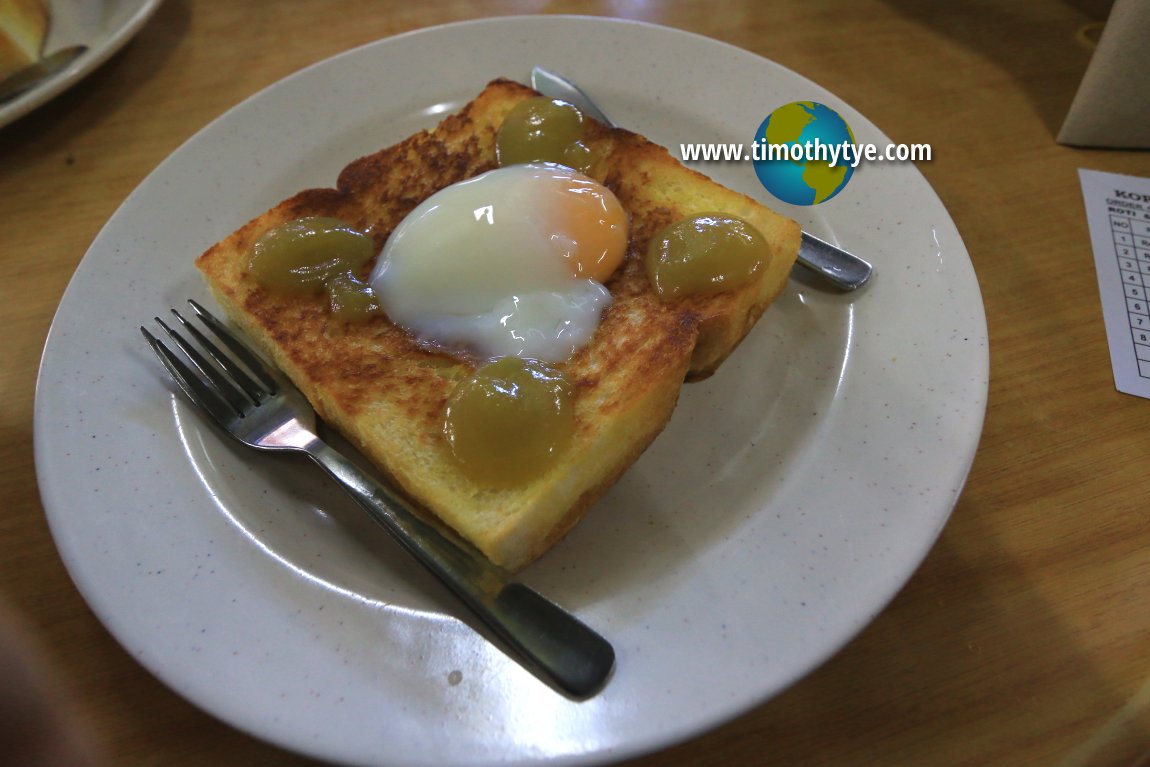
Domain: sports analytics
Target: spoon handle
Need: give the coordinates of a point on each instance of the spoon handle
(844, 269)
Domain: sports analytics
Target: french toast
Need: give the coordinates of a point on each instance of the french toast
(385, 391)
(23, 27)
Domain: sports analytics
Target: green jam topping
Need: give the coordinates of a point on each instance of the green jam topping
(316, 253)
(544, 130)
(703, 255)
(510, 421)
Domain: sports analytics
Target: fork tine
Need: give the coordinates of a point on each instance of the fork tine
(210, 375)
(198, 392)
(250, 359)
(250, 387)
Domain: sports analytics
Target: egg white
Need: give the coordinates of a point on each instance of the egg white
(480, 266)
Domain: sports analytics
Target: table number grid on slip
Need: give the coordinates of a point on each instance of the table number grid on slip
(1132, 246)
(1118, 212)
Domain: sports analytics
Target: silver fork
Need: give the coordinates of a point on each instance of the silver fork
(259, 407)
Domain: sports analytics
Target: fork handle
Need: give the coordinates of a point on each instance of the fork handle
(554, 642)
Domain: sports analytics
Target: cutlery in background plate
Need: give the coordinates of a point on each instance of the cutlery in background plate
(32, 75)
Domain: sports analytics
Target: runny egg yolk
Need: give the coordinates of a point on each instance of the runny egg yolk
(596, 224)
(509, 263)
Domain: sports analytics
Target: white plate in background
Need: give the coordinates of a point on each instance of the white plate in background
(105, 26)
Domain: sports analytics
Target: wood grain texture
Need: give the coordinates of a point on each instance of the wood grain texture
(1022, 639)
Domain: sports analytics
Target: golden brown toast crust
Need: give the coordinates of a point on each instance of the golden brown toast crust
(386, 393)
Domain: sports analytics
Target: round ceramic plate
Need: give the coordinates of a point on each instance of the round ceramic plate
(105, 26)
(788, 500)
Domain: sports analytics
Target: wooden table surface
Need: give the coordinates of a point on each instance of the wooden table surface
(1024, 638)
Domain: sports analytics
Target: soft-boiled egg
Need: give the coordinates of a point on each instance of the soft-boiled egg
(509, 263)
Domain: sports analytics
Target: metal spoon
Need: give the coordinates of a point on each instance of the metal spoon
(32, 75)
(842, 269)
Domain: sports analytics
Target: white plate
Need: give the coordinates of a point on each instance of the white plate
(102, 25)
(790, 498)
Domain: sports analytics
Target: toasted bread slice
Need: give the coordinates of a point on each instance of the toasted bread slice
(386, 393)
(23, 27)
